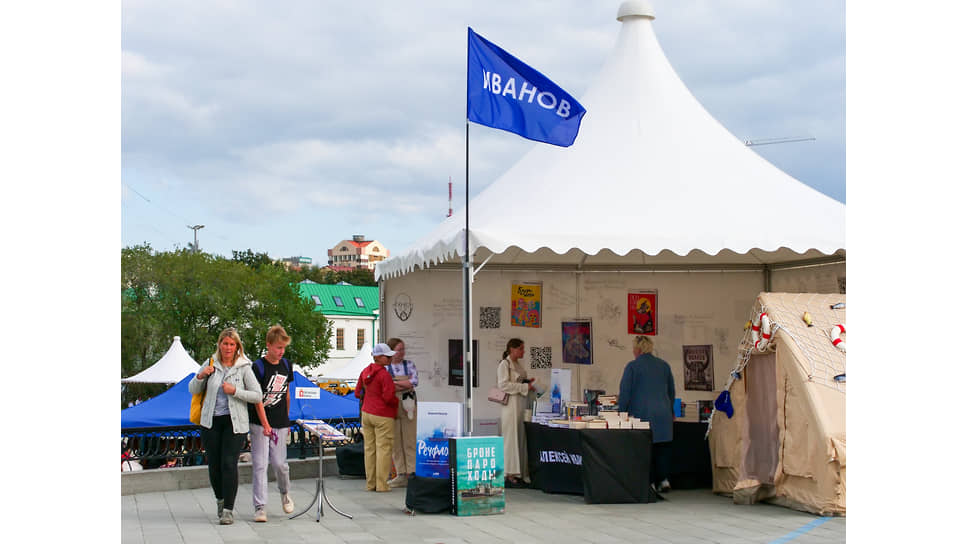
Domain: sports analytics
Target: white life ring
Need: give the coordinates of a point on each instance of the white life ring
(761, 332)
(838, 342)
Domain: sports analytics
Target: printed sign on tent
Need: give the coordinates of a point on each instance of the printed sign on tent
(526, 305)
(697, 367)
(643, 312)
(576, 341)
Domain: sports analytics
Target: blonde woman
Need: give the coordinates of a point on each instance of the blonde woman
(513, 380)
(228, 383)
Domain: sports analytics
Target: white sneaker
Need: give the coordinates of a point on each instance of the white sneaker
(399, 481)
(287, 504)
(665, 486)
(260, 515)
(226, 518)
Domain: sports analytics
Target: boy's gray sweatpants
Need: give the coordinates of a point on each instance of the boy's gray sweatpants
(265, 452)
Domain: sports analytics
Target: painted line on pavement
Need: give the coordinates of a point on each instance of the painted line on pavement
(797, 532)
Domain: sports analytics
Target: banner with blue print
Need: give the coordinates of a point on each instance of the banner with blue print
(507, 94)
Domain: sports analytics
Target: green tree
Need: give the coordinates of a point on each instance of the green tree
(197, 295)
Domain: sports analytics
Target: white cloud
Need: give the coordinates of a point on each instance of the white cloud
(333, 109)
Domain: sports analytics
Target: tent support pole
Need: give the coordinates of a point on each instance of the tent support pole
(468, 277)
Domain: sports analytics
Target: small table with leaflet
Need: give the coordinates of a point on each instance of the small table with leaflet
(324, 433)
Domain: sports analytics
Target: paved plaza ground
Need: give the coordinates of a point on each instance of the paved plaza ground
(687, 516)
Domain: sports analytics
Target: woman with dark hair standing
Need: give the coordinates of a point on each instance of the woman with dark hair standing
(513, 380)
(229, 383)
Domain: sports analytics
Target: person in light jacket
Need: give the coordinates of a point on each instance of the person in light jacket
(229, 383)
(405, 380)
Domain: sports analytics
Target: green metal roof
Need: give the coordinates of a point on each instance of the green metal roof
(325, 297)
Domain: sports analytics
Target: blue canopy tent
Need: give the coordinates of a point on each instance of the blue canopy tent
(170, 408)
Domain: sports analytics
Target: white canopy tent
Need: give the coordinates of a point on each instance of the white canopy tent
(652, 180)
(171, 368)
(350, 370)
(653, 189)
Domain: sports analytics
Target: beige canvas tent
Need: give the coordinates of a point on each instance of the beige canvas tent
(786, 441)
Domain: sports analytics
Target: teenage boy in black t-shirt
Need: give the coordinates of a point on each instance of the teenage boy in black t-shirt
(269, 445)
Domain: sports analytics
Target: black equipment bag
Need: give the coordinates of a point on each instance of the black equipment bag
(428, 495)
(349, 460)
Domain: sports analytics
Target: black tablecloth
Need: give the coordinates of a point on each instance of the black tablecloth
(616, 465)
(554, 459)
(606, 466)
(691, 467)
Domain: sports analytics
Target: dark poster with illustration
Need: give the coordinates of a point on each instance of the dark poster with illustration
(576, 341)
(455, 365)
(697, 367)
(643, 314)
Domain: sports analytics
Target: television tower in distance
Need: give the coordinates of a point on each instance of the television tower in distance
(450, 197)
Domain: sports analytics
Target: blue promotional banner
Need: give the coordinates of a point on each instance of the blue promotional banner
(507, 94)
(437, 422)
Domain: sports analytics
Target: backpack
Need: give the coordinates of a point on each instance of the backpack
(260, 369)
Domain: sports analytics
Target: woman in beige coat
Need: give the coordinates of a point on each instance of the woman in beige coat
(513, 380)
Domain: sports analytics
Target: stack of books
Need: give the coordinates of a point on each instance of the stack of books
(607, 402)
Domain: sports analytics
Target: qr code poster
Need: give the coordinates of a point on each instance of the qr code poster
(490, 317)
(526, 305)
(541, 357)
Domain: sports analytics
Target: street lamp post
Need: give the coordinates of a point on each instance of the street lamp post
(195, 228)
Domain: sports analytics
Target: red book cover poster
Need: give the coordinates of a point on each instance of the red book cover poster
(643, 312)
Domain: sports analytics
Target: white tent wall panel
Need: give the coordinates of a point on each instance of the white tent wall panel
(693, 308)
(830, 278)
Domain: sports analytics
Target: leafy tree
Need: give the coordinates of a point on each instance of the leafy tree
(197, 295)
(253, 260)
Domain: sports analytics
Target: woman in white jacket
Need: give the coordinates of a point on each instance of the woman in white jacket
(229, 383)
(513, 380)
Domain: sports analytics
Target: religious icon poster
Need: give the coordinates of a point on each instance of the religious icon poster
(697, 367)
(576, 341)
(642, 310)
(526, 305)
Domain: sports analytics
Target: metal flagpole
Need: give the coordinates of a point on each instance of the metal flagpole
(468, 277)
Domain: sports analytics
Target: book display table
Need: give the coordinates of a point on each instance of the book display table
(606, 466)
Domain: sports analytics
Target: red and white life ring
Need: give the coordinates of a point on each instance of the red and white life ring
(761, 332)
(835, 337)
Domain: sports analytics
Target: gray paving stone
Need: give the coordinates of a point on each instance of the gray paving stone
(690, 516)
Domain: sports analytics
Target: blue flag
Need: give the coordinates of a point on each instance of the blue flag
(505, 93)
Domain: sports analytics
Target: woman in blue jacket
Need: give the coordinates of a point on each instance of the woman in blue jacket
(648, 392)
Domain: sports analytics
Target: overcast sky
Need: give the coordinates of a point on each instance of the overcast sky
(286, 127)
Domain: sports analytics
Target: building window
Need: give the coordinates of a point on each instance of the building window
(360, 333)
(359, 302)
(338, 301)
(317, 301)
(339, 339)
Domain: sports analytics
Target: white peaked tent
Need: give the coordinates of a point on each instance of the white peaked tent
(652, 179)
(171, 368)
(352, 369)
(654, 195)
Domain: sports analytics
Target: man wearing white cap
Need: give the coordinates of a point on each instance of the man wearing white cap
(379, 409)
